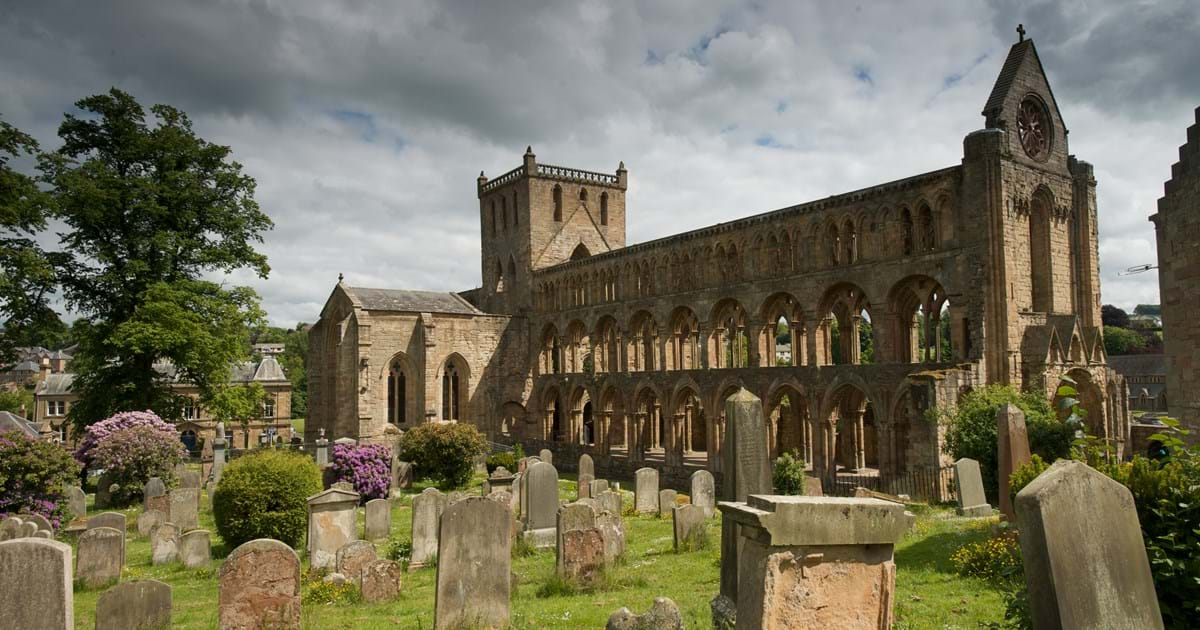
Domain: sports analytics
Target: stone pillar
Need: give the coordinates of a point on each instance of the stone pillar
(1013, 450)
(603, 443)
(675, 445)
(860, 439)
(322, 452)
(753, 356)
(635, 445)
(218, 450)
(576, 428)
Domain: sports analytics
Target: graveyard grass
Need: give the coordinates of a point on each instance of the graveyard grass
(928, 592)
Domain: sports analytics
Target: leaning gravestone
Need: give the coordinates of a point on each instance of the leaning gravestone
(35, 584)
(43, 523)
(115, 520)
(380, 581)
(402, 474)
(141, 605)
(377, 520)
(541, 488)
(587, 466)
(663, 615)
(260, 587)
(353, 557)
(474, 566)
(969, 485)
(666, 501)
(332, 522)
(584, 487)
(148, 520)
(645, 491)
(77, 501)
(427, 509)
(1085, 558)
(195, 548)
(690, 527)
(100, 561)
(546, 456)
(164, 543)
(185, 508)
(581, 556)
(1012, 442)
(704, 493)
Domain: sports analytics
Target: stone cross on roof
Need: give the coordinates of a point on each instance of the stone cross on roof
(1021, 32)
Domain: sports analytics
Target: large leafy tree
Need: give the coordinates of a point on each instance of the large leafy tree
(150, 211)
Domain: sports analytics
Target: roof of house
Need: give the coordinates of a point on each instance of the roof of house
(266, 371)
(55, 384)
(13, 422)
(403, 300)
(1139, 364)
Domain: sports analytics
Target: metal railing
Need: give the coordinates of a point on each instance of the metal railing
(932, 485)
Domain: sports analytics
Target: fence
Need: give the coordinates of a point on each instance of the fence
(932, 485)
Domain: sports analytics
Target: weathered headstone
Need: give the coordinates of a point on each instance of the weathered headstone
(516, 494)
(474, 566)
(541, 488)
(645, 491)
(380, 581)
(500, 479)
(343, 485)
(969, 485)
(10, 528)
(690, 527)
(377, 521)
(28, 528)
(587, 466)
(115, 520)
(704, 492)
(1085, 558)
(611, 501)
(666, 501)
(353, 557)
(147, 520)
(104, 488)
(546, 456)
(100, 556)
(332, 522)
(185, 508)
(35, 584)
(195, 548)
(581, 556)
(597, 487)
(1012, 442)
(164, 543)
(140, 605)
(154, 487)
(190, 479)
(77, 501)
(583, 487)
(813, 487)
(43, 523)
(260, 587)
(219, 445)
(43, 533)
(612, 530)
(402, 474)
(427, 509)
(663, 615)
(570, 517)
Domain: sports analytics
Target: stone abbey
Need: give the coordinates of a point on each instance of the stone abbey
(851, 317)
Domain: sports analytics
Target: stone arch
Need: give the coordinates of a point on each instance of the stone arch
(789, 426)
(577, 350)
(580, 252)
(581, 428)
(1041, 282)
(842, 337)
(549, 355)
(403, 383)
(911, 441)
(606, 356)
(684, 345)
(643, 342)
(553, 423)
(849, 239)
(843, 426)
(778, 310)
(923, 322)
(649, 418)
(612, 408)
(688, 408)
(456, 386)
(730, 346)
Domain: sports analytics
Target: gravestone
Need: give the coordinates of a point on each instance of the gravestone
(812, 487)
(147, 520)
(353, 557)
(612, 530)
(570, 517)
(185, 508)
(1084, 555)
(154, 488)
(140, 605)
(500, 479)
(332, 522)
(164, 543)
(546, 456)
(746, 471)
(10, 528)
(690, 527)
(587, 466)
(35, 584)
(663, 615)
(219, 445)
(597, 487)
(103, 491)
(195, 548)
(516, 494)
(42, 523)
(402, 474)
(115, 520)
(380, 581)
(100, 556)
(581, 556)
(43, 533)
(427, 509)
(645, 491)
(666, 501)
(969, 485)
(259, 587)
(190, 479)
(541, 489)
(1012, 443)
(704, 492)
(343, 485)
(27, 529)
(474, 569)
(611, 501)
(583, 487)
(77, 501)
(377, 521)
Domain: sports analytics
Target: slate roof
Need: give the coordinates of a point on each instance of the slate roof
(403, 300)
(269, 370)
(55, 385)
(12, 422)
(1016, 55)
(1139, 364)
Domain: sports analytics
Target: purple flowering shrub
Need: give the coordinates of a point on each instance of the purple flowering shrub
(100, 431)
(132, 456)
(33, 477)
(367, 466)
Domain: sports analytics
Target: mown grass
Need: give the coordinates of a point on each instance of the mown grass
(928, 593)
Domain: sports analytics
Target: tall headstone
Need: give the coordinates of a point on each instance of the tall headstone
(546, 456)
(147, 521)
(583, 487)
(380, 581)
(611, 501)
(427, 509)
(474, 566)
(164, 543)
(100, 556)
(704, 492)
(689, 526)
(195, 548)
(115, 520)
(77, 501)
(218, 466)
(645, 491)
(402, 474)
(35, 584)
(1012, 441)
(321, 454)
(968, 482)
(141, 605)
(353, 557)
(103, 491)
(1085, 559)
(587, 466)
(260, 587)
(332, 522)
(541, 487)
(612, 531)
(185, 508)
(377, 522)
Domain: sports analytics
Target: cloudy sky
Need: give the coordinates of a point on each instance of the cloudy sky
(366, 123)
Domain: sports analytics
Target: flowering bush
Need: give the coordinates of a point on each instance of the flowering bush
(131, 456)
(996, 558)
(100, 431)
(33, 477)
(368, 467)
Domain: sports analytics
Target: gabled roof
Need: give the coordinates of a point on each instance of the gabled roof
(1018, 55)
(405, 301)
(12, 422)
(269, 370)
(55, 384)
(1139, 364)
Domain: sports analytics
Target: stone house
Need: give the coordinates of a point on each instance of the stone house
(1146, 377)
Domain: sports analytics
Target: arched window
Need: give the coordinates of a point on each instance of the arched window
(604, 208)
(557, 202)
(907, 229)
(581, 251)
(928, 229)
(583, 195)
(834, 244)
(451, 393)
(397, 394)
(512, 271)
(850, 242)
(499, 277)
(493, 205)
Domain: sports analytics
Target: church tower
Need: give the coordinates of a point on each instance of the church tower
(537, 216)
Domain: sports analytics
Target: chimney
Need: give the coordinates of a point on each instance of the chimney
(45, 370)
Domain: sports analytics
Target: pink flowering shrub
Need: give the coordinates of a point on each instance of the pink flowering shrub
(367, 466)
(100, 431)
(33, 477)
(132, 456)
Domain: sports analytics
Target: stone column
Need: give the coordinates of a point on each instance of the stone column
(576, 428)
(218, 449)
(635, 437)
(603, 443)
(322, 452)
(753, 356)
(675, 447)
(860, 438)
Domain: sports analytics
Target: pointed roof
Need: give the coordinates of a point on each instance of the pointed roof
(405, 301)
(1019, 57)
(269, 370)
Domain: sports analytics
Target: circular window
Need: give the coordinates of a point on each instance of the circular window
(1033, 127)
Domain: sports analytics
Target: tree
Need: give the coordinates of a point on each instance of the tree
(237, 403)
(1122, 341)
(1112, 316)
(18, 402)
(149, 210)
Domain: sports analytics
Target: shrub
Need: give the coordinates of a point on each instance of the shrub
(131, 456)
(443, 452)
(1025, 474)
(331, 593)
(788, 473)
(263, 495)
(496, 460)
(97, 432)
(367, 466)
(33, 477)
(993, 559)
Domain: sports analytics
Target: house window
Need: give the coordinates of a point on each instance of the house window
(269, 408)
(56, 408)
(191, 410)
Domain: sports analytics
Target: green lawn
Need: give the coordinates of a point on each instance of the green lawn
(928, 593)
